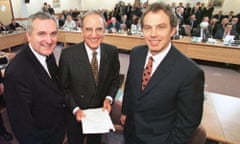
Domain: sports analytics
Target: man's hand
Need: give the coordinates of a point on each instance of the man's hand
(123, 119)
(79, 115)
(107, 105)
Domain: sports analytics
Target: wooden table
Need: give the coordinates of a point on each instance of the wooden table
(11, 40)
(202, 51)
(209, 52)
(221, 118)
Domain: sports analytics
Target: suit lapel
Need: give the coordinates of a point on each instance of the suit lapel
(139, 68)
(162, 70)
(102, 65)
(83, 60)
(40, 71)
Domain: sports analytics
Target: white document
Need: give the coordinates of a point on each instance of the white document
(96, 121)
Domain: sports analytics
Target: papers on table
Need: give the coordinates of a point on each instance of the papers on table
(96, 121)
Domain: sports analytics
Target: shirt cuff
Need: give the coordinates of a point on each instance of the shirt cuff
(109, 98)
(75, 110)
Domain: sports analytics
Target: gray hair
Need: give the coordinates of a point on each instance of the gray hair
(38, 15)
(93, 12)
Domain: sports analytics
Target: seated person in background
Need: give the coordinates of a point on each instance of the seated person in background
(133, 21)
(227, 31)
(191, 24)
(236, 24)
(61, 20)
(114, 25)
(202, 28)
(78, 22)
(221, 25)
(14, 25)
(213, 26)
(3, 27)
(69, 24)
(124, 22)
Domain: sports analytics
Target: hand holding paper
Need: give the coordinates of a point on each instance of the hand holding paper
(96, 121)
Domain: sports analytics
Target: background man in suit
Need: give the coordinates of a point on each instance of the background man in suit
(83, 89)
(168, 108)
(35, 103)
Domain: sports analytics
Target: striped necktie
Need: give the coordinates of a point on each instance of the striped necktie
(94, 66)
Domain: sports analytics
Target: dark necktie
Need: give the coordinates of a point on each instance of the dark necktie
(147, 73)
(94, 66)
(52, 67)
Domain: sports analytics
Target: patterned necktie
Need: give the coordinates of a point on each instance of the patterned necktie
(52, 67)
(147, 73)
(94, 66)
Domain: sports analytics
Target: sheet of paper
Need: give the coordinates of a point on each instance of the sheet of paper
(96, 121)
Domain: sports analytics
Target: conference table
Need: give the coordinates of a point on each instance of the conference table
(221, 113)
(7, 41)
(195, 50)
(221, 118)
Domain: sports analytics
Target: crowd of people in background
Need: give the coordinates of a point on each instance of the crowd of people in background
(39, 107)
(125, 17)
(12, 26)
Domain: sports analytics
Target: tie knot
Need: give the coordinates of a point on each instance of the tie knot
(48, 58)
(150, 60)
(94, 53)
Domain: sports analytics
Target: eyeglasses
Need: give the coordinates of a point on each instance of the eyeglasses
(99, 30)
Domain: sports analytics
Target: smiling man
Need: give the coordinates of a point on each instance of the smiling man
(89, 76)
(163, 95)
(35, 104)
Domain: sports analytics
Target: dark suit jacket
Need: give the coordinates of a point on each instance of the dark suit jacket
(116, 26)
(34, 102)
(170, 107)
(220, 33)
(11, 26)
(77, 79)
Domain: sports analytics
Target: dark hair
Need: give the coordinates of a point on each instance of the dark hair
(93, 12)
(158, 6)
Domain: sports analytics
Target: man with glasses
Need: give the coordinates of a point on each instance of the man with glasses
(89, 76)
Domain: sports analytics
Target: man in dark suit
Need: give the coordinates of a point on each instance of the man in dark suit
(3, 132)
(114, 26)
(36, 106)
(167, 108)
(84, 89)
(227, 31)
(14, 25)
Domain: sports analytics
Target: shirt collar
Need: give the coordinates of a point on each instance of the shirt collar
(159, 56)
(90, 51)
(36, 54)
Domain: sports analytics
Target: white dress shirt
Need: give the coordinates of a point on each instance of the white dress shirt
(158, 58)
